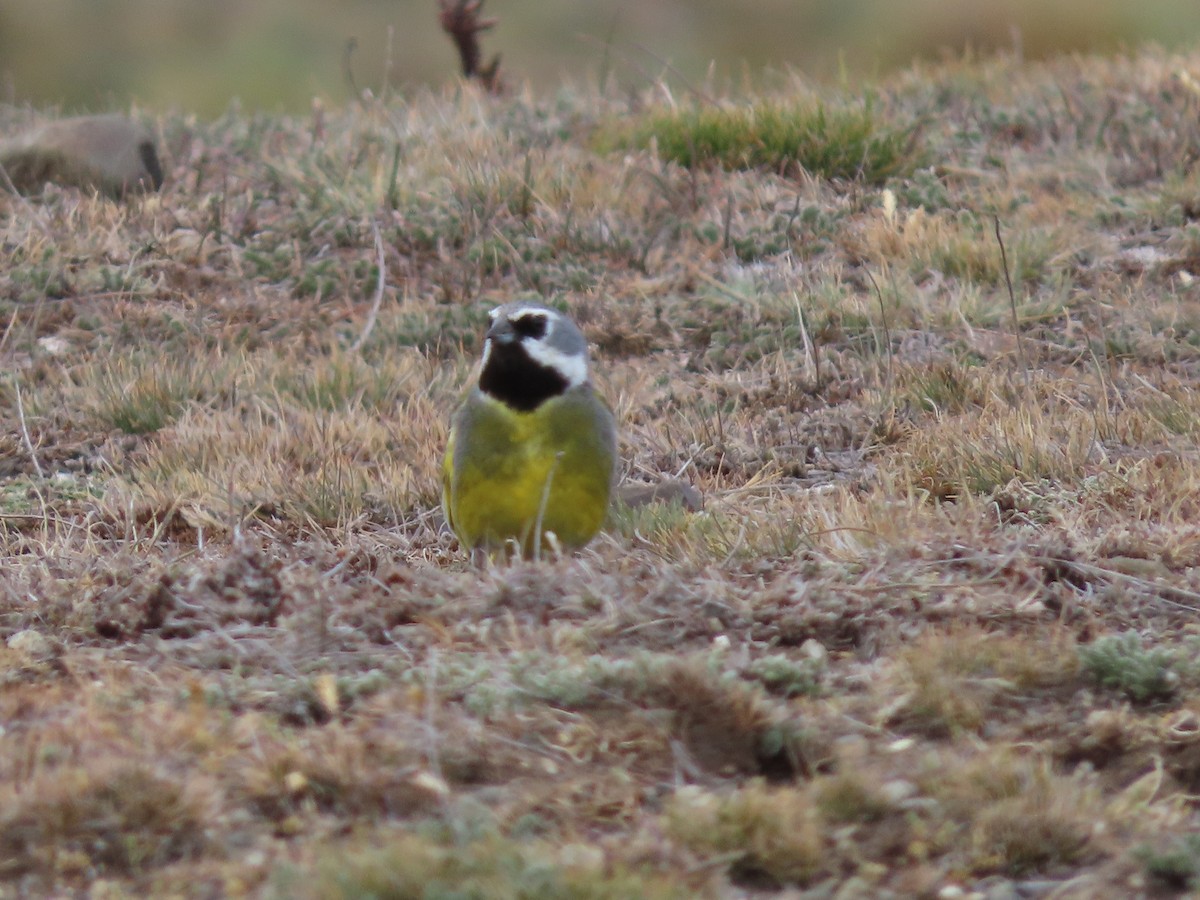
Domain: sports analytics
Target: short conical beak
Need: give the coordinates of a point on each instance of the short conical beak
(501, 332)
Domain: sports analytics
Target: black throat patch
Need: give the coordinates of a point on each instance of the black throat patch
(518, 381)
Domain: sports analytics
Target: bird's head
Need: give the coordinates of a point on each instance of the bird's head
(531, 353)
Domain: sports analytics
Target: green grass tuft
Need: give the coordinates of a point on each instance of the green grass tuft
(1121, 663)
(142, 396)
(828, 141)
(1176, 868)
(768, 837)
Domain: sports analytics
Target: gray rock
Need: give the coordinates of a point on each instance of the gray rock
(670, 491)
(111, 154)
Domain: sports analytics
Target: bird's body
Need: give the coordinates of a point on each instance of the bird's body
(532, 449)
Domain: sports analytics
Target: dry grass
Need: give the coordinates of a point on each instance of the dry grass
(935, 627)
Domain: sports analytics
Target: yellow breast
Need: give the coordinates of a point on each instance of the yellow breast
(510, 475)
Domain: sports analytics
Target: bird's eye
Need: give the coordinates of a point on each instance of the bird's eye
(530, 325)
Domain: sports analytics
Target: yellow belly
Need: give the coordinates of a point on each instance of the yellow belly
(510, 476)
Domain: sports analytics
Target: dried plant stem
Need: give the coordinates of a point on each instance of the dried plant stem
(37, 467)
(887, 334)
(1012, 302)
(537, 524)
(380, 281)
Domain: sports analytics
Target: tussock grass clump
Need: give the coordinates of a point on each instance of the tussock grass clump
(656, 523)
(141, 396)
(850, 142)
(961, 244)
(345, 381)
(335, 771)
(680, 534)
(978, 454)
(724, 723)
(1038, 829)
(332, 444)
(120, 819)
(949, 388)
(954, 683)
(771, 836)
(450, 332)
(1020, 816)
(849, 796)
(1178, 415)
(489, 867)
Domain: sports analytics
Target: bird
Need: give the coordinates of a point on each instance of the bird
(532, 455)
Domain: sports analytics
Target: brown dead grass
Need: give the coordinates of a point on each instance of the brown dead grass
(243, 655)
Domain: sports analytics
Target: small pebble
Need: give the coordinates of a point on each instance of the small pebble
(29, 642)
(898, 790)
(814, 650)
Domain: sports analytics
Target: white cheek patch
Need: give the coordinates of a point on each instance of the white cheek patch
(487, 351)
(573, 367)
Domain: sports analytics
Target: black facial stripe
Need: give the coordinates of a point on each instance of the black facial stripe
(531, 325)
(518, 381)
